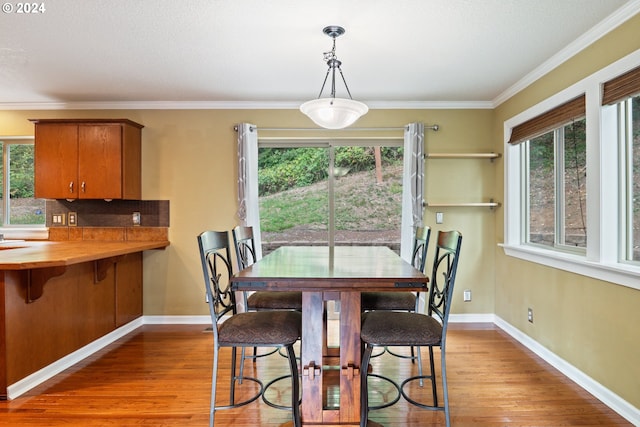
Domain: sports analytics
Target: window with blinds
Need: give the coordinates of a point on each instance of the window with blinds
(553, 216)
(623, 92)
(621, 87)
(561, 115)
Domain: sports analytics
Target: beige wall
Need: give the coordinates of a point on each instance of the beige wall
(189, 158)
(590, 323)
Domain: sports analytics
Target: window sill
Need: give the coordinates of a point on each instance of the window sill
(25, 233)
(621, 274)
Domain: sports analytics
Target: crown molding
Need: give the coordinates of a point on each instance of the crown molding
(234, 105)
(429, 105)
(150, 105)
(613, 21)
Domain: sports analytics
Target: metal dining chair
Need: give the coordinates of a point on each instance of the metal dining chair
(244, 244)
(396, 328)
(402, 301)
(275, 328)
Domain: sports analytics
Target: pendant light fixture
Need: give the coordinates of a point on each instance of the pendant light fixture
(332, 112)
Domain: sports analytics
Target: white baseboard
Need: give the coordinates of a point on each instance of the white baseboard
(177, 320)
(49, 371)
(609, 398)
(472, 318)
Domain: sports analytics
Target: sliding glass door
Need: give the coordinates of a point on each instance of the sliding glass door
(293, 196)
(333, 192)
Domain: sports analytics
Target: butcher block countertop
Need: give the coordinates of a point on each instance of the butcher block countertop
(24, 255)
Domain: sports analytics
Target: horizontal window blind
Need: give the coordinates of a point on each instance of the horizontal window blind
(548, 121)
(621, 87)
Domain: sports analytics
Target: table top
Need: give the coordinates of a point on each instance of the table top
(340, 267)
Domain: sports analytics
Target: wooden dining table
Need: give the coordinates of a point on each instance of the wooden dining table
(330, 375)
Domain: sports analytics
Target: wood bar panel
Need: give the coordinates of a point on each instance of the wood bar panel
(61, 296)
(72, 312)
(128, 289)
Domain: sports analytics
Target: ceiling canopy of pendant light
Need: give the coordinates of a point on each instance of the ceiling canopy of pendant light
(332, 112)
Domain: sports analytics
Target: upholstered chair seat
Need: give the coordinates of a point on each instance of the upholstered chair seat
(400, 329)
(402, 301)
(266, 300)
(262, 329)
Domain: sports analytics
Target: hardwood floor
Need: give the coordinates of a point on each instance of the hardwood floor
(160, 375)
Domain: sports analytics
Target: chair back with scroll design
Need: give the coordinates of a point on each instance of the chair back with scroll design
(217, 270)
(419, 253)
(420, 246)
(443, 276)
(244, 243)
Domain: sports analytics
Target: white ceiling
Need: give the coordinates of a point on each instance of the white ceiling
(258, 53)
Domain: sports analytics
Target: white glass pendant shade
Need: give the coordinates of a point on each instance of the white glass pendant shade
(334, 113)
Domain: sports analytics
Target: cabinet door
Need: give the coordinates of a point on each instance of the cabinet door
(100, 161)
(56, 161)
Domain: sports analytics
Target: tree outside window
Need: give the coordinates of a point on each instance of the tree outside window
(16, 179)
(556, 184)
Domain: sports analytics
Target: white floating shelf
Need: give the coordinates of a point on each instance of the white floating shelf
(463, 155)
(464, 205)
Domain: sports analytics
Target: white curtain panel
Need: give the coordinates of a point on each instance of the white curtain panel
(412, 185)
(248, 208)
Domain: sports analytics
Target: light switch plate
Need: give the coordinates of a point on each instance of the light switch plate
(439, 217)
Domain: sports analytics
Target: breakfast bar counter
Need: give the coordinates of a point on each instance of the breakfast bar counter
(24, 255)
(58, 296)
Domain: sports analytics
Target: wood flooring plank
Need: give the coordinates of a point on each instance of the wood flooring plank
(159, 375)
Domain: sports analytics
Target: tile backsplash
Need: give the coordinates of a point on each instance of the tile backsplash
(116, 213)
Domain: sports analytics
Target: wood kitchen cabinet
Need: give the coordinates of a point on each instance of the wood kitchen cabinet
(87, 159)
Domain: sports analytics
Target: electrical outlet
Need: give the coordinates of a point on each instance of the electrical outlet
(136, 218)
(530, 315)
(73, 219)
(58, 219)
(467, 295)
(439, 217)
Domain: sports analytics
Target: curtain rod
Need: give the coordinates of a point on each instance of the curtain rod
(431, 127)
(338, 138)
